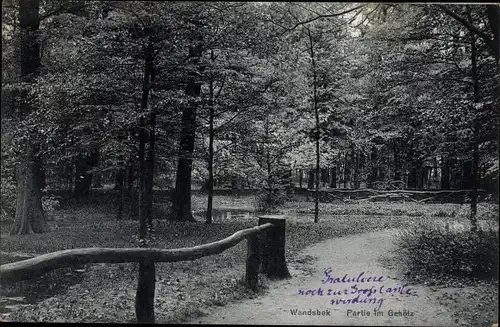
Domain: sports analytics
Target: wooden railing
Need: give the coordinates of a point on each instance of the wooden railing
(265, 254)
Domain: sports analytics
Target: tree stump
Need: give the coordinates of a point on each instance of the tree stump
(145, 296)
(273, 262)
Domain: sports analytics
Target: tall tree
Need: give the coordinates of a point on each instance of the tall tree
(181, 201)
(29, 212)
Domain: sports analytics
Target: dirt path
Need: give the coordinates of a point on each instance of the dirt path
(349, 255)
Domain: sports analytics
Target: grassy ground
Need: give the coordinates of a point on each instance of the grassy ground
(105, 292)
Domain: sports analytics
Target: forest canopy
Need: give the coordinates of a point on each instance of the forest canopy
(151, 95)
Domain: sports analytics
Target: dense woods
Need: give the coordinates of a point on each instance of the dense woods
(141, 96)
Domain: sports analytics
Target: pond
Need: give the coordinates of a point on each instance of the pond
(234, 214)
(9, 304)
(230, 214)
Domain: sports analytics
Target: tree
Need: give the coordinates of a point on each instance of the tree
(181, 201)
(29, 212)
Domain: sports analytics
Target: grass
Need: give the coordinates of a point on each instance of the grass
(106, 292)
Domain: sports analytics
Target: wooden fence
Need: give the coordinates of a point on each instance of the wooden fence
(265, 254)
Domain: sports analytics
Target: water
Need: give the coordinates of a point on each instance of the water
(9, 304)
(238, 214)
(226, 215)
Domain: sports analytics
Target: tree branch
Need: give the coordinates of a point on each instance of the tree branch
(64, 9)
(473, 29)
(325, 16)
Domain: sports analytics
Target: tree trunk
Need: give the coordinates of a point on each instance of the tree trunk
(445, 173)
(143, 169)
(119, 179)
(83, 178)
(455, 174)
(475, 165)
(317, 134)
(397, 168)
(210, 153)
(475, 127)
(467, 179)
(151, 168)
(412, 177)
(310, 180)
(300, 178)
(181, 204)
(347, 171)
(356, 169)
(422, 180)
(493, 12)
(29, 217)
(121, 196)
(97, 180)
(333, 180)
(372, 178)
(142, 181)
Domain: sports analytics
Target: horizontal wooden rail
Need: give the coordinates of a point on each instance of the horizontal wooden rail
(37, 266)
(266, 253)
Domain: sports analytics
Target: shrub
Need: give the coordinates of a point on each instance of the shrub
(270, 199)
(430, 251)
(8, 200)
(50, 203)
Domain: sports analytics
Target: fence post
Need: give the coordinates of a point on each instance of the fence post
(145, 296)
(253, 261)
(273, 261)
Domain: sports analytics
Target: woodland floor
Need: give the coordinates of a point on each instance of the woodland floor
(367, 252)
(191, 289)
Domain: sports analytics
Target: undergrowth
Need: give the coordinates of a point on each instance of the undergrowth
(431, 251)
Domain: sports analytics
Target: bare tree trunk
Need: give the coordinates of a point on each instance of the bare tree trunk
(372, 178)
(210, 151)
(475, 128)
(356, 169)
(347, 171)
(445, 173)
(83, 178)
(333, 182)
(397, 167)
(317, 136)
(181, 204)
(467, 181)
(310, 179)
(29, 217)
(151, 167)
(121, 193)
(143, 169)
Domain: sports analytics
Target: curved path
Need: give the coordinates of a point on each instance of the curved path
(367, 252)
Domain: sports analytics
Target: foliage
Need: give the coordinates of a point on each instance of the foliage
(427, 250)
(8, 185)
(50, 203)
(8, 199)
(269, 199)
